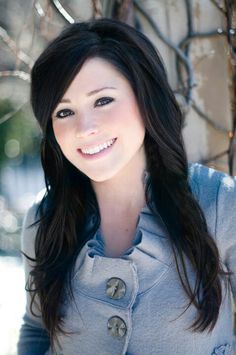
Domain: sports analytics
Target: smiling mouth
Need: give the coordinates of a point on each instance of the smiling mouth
(100, 151)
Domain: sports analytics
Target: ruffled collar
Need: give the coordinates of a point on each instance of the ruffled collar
(148, 259)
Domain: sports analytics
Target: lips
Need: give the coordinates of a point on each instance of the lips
(92, 146)
(98, 155)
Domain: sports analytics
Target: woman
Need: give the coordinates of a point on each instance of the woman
(133, 249)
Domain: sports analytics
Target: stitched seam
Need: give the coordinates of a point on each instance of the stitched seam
(103, 302)
(163, 276)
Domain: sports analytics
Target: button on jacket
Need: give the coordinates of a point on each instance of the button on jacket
(135, 304)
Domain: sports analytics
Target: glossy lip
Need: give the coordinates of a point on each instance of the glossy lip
(99, 154)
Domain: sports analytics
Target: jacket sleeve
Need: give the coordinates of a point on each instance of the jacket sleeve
(226, 226)
(33, 338)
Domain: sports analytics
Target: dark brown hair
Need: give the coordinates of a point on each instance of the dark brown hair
(70, 198)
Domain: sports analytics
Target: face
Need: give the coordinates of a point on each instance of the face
(97, 124)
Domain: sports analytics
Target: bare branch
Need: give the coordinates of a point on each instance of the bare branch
(126, 12)
(28, 25)
(12, 45)
(215, 157)
(179, 53)
(219, 6)
(208, 119)
(230, 31)
(62, 11)
(39, 9)
(97, 8)
(44, 18)
(16, 73)
(9, 115)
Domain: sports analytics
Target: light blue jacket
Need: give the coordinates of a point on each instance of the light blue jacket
(132, 305)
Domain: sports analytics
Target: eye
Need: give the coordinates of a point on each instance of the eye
(103, 101)
(64, 113)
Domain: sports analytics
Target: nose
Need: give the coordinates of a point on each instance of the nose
(85, 127)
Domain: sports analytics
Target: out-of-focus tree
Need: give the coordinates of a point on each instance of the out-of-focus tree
(19, 135)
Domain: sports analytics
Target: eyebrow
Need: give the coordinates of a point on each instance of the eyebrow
(97, 90)
(92, 92)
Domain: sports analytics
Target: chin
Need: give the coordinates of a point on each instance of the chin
(99, 178)
(102, 177)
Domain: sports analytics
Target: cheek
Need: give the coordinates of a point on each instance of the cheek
(132, 118)
(123, 115)
(60, 133)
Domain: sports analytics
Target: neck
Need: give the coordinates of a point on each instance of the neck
(120, 201)
(123, 193)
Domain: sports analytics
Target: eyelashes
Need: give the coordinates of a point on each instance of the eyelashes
(64, 113)
(100, 102)
(104, 101)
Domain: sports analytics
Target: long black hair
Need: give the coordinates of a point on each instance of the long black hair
(70, 197)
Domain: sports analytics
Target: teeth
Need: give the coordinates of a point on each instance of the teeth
(98, 148)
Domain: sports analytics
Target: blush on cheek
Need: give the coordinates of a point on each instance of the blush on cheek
(57, 131)
(61, 136)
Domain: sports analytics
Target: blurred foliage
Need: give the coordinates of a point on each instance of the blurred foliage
(19, 135)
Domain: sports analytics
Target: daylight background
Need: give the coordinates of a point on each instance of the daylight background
(196, 38)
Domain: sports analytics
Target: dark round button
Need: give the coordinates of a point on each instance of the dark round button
(116, 327)
(115, 288)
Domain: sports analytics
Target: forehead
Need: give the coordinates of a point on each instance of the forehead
(96, 72)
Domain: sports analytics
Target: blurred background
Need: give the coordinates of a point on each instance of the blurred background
(196, 39)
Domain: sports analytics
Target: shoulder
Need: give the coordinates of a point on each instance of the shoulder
(203, 178)
(208, 184)
(212, 188)
(216, 194)
(29, 228)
